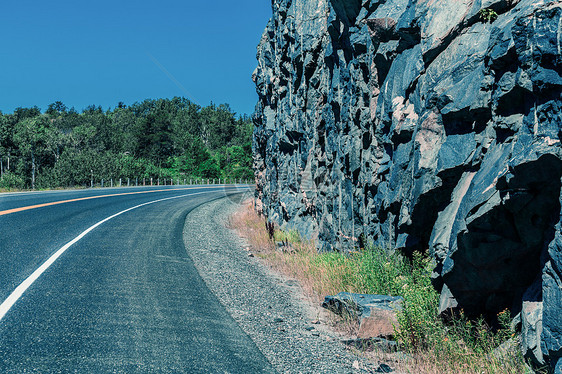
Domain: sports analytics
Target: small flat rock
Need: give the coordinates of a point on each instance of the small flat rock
(384, 368)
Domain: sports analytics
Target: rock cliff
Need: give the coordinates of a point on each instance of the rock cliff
(429, 126)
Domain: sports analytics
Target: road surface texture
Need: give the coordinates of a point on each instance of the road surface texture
(123, 298)
(269, 308)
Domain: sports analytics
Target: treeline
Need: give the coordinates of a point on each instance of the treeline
(164, 138)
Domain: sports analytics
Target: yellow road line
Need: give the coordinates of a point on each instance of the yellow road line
(23, 208)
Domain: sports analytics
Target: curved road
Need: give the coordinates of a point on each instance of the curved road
(123, 298)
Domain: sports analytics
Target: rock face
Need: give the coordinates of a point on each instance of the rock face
(423, 125)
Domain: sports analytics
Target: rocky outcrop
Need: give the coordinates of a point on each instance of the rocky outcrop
(423, 126)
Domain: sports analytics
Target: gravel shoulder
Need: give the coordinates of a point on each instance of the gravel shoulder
(270, 309)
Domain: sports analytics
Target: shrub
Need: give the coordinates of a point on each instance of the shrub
(11, 181)
(419, 326)
(488, 15)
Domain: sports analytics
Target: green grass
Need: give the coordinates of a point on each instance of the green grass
(374, 271)
(464, 345)
(461, 346)
(488, 15)
(291, 236)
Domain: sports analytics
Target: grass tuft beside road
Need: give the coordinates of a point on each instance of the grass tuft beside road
(431, 346)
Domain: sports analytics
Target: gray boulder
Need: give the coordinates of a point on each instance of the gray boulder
(376, 314)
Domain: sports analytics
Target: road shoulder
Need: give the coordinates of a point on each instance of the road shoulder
(269, 308)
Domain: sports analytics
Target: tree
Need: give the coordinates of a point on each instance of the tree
(23, 113)
(154, 132)
(123, 121)
(218, 126)
(163, 137)
(56, 108)
(6, 143)
(185, 124)
(30, 136)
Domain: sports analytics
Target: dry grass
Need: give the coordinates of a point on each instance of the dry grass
(432, 362)
(297, 259)
(444, 351)
(293, 261)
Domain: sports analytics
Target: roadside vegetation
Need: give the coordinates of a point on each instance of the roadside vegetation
(428, 344)
(163, 138)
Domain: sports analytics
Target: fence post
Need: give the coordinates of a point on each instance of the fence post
(128, 182)
(151, 181)
(137, 181)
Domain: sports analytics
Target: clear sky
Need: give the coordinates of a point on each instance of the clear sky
(105, 51)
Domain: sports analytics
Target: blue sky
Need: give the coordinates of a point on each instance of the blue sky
(102, 52)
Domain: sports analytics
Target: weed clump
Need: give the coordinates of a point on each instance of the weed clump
(435, 346)
(488, 15)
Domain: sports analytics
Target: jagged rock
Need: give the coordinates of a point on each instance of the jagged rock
(420, 126)
(384, 368)
(383, 345)
(531, 330)
(376, 314)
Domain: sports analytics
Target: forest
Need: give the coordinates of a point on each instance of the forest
(155, 138)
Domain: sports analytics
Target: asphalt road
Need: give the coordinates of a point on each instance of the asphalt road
(125, 298)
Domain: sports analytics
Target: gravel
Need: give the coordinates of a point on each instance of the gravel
(269, 308)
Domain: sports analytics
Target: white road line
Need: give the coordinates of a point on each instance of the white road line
(18, 292)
